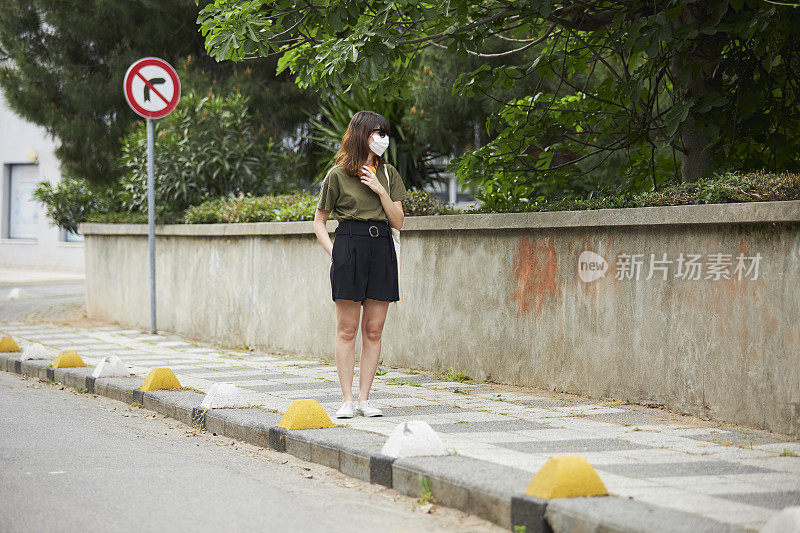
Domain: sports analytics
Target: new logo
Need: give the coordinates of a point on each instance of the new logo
(591, 266)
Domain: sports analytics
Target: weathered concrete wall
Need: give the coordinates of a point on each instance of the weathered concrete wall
(502, 296)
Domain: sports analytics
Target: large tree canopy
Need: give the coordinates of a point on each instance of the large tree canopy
(66, 63)
(678, 87)
(62, 63)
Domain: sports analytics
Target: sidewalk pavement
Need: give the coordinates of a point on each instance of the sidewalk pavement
(733, 476)
(16, 275)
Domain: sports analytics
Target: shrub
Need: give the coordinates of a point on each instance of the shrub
(282, 208)
(209, 147)
(70, 202)
(731, 187)
(422, 203)
(117, 217)
(289, 207)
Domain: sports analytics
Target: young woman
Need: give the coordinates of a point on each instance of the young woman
(365, 194)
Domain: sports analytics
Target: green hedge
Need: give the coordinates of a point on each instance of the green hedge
(290, 207)
(281, 208)
(755, 187)
(729, 188)
(117, 217)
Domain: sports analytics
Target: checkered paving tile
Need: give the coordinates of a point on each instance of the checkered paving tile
(683, 469)
(734, 475)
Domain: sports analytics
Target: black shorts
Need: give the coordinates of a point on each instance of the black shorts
(364, 262)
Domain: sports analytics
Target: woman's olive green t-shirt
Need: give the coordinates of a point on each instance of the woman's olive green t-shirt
(347, 198)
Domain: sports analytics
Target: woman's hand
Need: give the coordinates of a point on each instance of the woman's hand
(369, 179)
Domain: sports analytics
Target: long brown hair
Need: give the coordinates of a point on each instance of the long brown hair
(354, 149)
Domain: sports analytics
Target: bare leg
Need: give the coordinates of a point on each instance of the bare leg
(344, 345)
(374, 317)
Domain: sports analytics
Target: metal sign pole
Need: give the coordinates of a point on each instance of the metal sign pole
(151, 76)
(151, 218)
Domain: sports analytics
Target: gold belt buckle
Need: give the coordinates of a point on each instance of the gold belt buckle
(376, 231)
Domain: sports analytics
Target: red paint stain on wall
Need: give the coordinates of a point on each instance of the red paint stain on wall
(535, 269)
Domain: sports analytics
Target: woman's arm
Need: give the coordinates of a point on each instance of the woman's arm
(394, 210)
(321, 230)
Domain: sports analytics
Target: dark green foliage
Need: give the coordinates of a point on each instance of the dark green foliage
(209, 147)
(421, 203)
(67, 60)
(117, 217)
(756, 187)
(447, 123)
(403, 151)
(728, 188)
(283, 208)
(643, 92)
(288, 208)
(276, 104)
(68, 203)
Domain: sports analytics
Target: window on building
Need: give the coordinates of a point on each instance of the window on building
(23, 210)
(72, 237)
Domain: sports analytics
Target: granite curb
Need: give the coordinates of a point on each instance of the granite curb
(488, 490)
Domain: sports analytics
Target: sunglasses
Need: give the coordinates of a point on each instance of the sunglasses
(382, 132)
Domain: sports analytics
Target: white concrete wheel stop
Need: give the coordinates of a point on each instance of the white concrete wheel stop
(31, 352)
(223, 396)
(412, 439)
(111, 367)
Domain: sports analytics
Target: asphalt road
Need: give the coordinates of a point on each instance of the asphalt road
(79, 462)
(41, 299)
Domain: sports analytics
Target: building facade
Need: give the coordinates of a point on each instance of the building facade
(27, 237)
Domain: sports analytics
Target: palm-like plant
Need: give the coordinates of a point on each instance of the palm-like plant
(331, 120)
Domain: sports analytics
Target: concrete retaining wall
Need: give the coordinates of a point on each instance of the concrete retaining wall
(692, 307)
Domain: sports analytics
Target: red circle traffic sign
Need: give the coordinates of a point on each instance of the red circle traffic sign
(152, 87)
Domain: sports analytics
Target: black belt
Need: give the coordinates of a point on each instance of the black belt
(373, 228)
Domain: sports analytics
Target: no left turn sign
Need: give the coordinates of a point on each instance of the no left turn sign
(152, 87)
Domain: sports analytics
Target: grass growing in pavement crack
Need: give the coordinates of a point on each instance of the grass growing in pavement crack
(788, 453)
(403, 382)
(425, 494)
(452, 375)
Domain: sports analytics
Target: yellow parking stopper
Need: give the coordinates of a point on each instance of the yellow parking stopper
(7, 344)
(160, 378)
(566, 476)
(68, 359)
(305, 414)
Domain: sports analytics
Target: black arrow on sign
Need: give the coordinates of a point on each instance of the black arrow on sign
(154, 81)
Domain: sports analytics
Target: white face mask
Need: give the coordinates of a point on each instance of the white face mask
(378, 144)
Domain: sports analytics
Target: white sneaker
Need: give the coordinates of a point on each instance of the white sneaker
(367, 409)
(346, 410)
